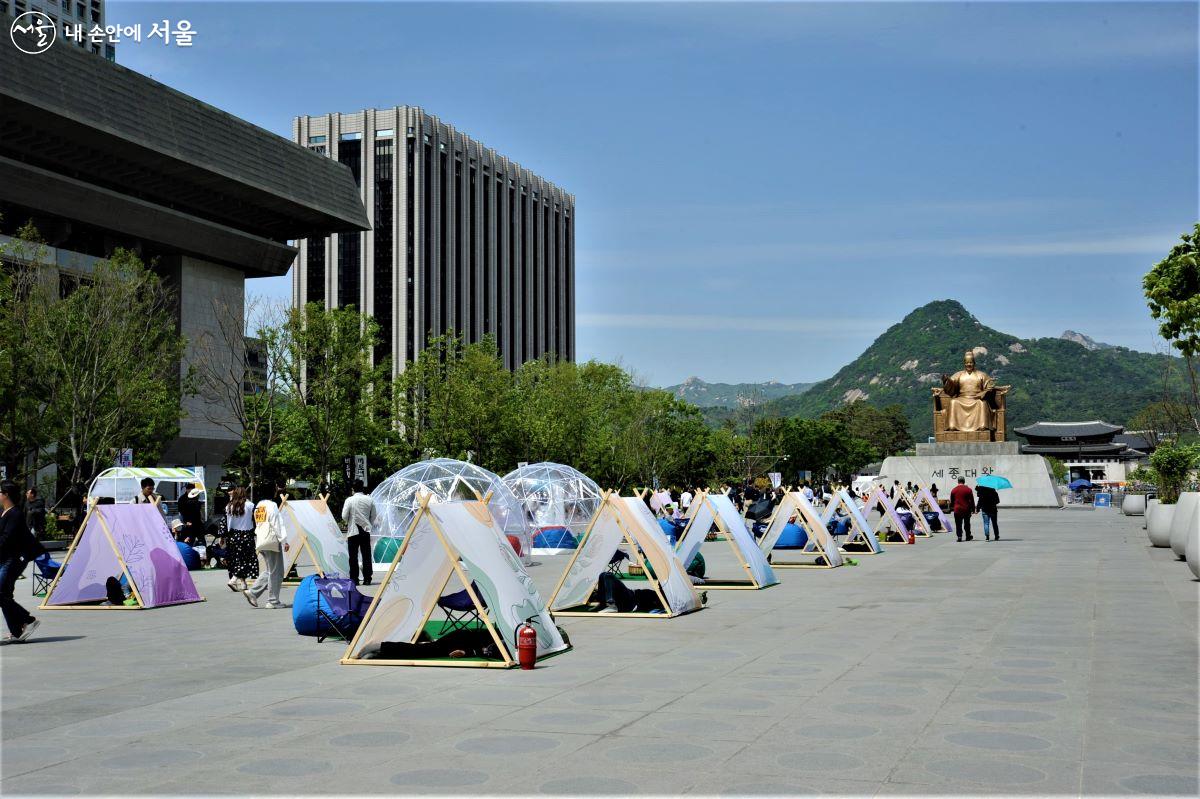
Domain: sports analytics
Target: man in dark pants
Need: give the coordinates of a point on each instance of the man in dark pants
(989, 501)
(620, 598)
(360, 516)
(962, 503)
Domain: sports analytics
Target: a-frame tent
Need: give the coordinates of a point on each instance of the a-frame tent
(861, 539)
(922, 528)
(821, 546)
(624, 520)
(312, 530)
(130, 541)
(458, 545)
(924, 498)
(718, 510)
(890, 527)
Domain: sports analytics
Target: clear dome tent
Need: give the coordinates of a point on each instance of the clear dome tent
(398, 498)
(559, 501)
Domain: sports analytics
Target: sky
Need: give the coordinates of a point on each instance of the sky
(762, 189)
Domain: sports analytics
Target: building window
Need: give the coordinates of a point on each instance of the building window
(385, 133)
(349, 254)
(382, 234)
(350, 137)
(316, 139)
(315, 271)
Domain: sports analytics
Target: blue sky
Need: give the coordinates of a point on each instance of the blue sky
(762, 189)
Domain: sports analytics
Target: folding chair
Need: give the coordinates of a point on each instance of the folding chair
(460, 611)
(616, 563)
(345, 627)
(44, 573)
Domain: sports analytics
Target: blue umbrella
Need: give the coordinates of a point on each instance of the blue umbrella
(994, 481)
(1075, 485)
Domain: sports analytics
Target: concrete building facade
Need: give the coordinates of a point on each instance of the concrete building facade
(462, 239)
(98, 157)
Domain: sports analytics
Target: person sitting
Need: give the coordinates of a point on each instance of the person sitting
(620, 598)
(672, 527)
(839, 524)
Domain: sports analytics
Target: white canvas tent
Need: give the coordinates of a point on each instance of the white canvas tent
(718, 509)
(922, 528)
(890, 527)
(861, 539)
(312, 530)
(925, 499)
(821, 547)
(455, 546)
(624, 520)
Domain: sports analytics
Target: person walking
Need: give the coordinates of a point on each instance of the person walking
(240, 557)
(987, 506)
(360, 516)
(35, 513)
(17, 548)
(269, 538)
(685, 499)
(962, 503)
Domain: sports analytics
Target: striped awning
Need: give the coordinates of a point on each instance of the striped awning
(172, 473)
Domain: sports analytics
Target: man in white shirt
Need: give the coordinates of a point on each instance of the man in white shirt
(685, 500)
(808, 492)
(360, 516)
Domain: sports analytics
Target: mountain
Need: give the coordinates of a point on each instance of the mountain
(1085, 341)
(733, 395)
(1052, 379)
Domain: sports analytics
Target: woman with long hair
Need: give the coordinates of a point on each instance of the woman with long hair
(240, 558)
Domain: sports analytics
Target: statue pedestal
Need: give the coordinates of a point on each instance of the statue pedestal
(944, 462)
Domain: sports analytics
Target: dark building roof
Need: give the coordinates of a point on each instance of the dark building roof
(1136, 441)
(1095, 450)
(93, 123)
(1070, 431)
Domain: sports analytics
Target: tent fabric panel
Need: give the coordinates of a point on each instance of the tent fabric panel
(674, 582)
(594, 554)
(155, 564)
(312, 519)
(497, 571)
(82, 576)
(764, 575)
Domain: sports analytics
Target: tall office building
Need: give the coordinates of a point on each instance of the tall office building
(64, 13)
(462, 239)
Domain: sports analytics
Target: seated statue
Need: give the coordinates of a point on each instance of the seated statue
(969, 402)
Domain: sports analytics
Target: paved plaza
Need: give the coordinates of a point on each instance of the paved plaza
(1060, 660)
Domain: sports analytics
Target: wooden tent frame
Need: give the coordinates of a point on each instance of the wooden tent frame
(922, 495)
(923, 529)
(750, 584)
(629, 541)
(858, 536)
(137, 594)
(881, 531)
(348, 659)
(287, 567)
(818, 538)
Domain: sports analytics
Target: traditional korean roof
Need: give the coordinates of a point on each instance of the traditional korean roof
(1069, 430)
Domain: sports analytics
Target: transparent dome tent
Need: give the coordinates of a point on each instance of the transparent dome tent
(559, 502)
(398, 497)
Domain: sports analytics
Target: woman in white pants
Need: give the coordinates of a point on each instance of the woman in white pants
(270, 540)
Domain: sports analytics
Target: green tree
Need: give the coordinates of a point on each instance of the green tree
(1057, 468)
(884, 429)
(336, 398)
(1172, 463)
(1172, 291)
(107, 362)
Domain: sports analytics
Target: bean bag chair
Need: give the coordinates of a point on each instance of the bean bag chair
(934, 520)
(792, 537)
(554, 538)
(670, 529)
(760, 510)
(697, 567)
(385, 549)
(191, 558)
(341, 606)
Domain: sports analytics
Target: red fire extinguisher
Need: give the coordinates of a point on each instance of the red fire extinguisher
(527, 644)
(912, 537)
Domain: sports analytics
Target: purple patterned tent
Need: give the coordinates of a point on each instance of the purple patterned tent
(152, 561)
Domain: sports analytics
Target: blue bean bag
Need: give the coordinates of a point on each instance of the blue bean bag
(792, 537)
(337, 597)
(191, 558)
(554, 538)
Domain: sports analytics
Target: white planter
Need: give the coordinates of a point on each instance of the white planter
(1193, 546)
(1134, 505)
(1185, 512)
(1158, 525)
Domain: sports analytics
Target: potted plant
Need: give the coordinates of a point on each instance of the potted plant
(1172, 463)
(1136, 483)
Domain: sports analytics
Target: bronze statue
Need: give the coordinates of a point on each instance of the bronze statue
(969, 402)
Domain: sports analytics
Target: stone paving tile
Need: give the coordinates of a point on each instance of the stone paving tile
(1063, 660)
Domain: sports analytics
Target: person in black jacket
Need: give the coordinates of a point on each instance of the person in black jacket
(35, 513)
(17, 548)
(987, 504)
